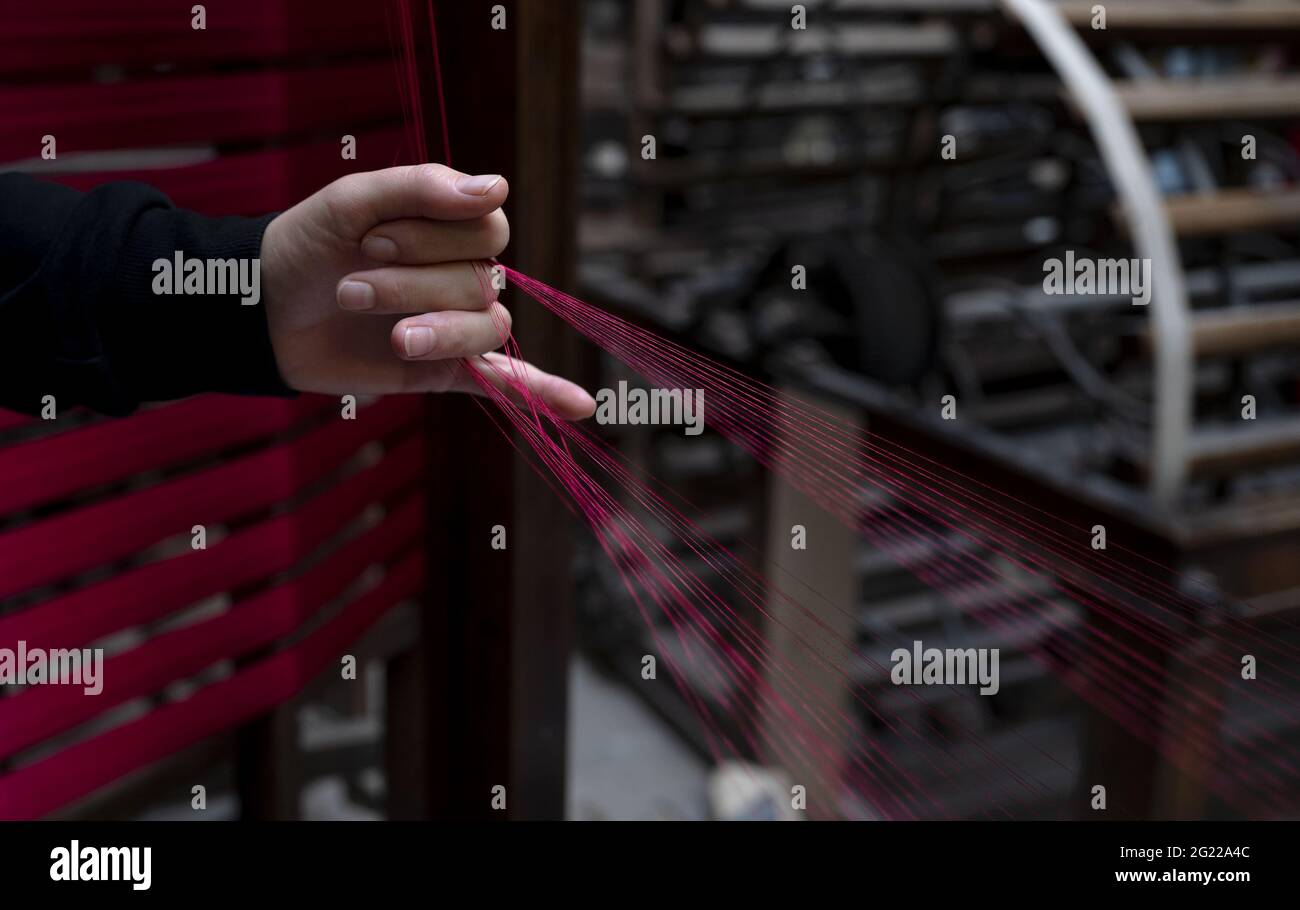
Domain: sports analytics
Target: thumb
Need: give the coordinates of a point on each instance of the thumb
(419, 191)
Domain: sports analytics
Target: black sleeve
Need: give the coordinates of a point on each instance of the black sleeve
(79, 318)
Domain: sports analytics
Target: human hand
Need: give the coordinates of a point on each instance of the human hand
(370, 288)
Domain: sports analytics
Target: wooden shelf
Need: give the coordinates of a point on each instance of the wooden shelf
(757, 42)
(1233, 331)
(1228, 211)
(856, 7)
(1259, 443)
(1233, 210)
(1183, 15)
(1226, 98)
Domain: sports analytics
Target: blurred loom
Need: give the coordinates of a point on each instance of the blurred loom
(1170, 134)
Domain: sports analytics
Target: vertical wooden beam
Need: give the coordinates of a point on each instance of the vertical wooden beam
(267, 765)
(1140, 780)
(483, 702)
(812, 646)
(548, 127)
(1113, 756)
(1193, 734)
(408, 759)
(648, 21)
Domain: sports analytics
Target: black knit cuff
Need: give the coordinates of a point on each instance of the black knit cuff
(131, 326)
(190, 311)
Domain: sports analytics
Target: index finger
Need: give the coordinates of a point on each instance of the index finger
(363, 200)
(567, 399)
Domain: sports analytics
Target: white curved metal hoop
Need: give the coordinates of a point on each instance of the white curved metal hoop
(1125, 159)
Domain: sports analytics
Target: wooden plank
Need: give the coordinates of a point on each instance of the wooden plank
(1218, 452)
(147, 593)
(77, 35)
(74, 541)
(548, 116)
(492, 672)
(811, 650)
(53, 467)
(267, 774)
(206, 109)
(1232, 210)
(256, 623)
(1233, 331)
(170, 779)
(877, 40)
(409, 746)
(1231, 97)
(251, 183)
(1182, 15)
(1228, 449)
(1130, 769)
(12, 419)
(840, 7)
(685, 172)
(38, 788)
(722, 100)
(1181, 788)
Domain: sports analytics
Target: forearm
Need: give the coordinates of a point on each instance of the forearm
(81, 313)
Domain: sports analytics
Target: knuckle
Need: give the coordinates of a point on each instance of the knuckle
(498, 233)
(397, 290)
(344, 199)
(347, 187)
(451, 340)
(428, 171)
(480, 293)
(423, 177)
(501, 317)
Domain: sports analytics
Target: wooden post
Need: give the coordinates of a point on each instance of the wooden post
(814, 646)
(482, 703)
(267, 764)
(1113, 756)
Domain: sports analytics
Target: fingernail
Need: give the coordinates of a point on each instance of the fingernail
(356, 295)
(480, 185)
(418, 341)
(380, 249)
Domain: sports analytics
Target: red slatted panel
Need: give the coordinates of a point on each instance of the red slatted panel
(52, 467)
(256, 182)
(37, 789)
(272, 86)
(9, 420)
(149, 592)
(169, 110)
(77, 34)
(40, 712)
(73, 542)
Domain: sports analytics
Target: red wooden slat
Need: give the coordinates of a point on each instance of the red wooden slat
(307, 95)
(237, 107)
(58, 465)
(149, 592)
(80, 34)
(10, 419)
(73, 542)
(39, 788)
(39, 712)
(257, 182)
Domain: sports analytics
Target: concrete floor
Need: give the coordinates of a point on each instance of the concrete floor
(625, 763)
